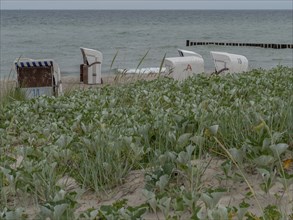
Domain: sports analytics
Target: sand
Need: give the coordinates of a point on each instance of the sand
(73, 82)
(70, 83)
(135, 182)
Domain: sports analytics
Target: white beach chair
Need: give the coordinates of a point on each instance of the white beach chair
(227, 62)
(38, 77)
(181, 68)
(90, 70)
(188, 53)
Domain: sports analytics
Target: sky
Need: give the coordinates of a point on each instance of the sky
(146, 4)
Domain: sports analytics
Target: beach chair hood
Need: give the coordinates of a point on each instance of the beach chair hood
(188, 53)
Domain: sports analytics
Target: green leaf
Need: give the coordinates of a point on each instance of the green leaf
(208, 200)
(59, 195)
(59, 210)
(217, 213)
(264, 160)
(93, 214)
(198, 140)
(151, 199)
(266, 143)
(183, 139)
(244, 204)
(237, 154)
(183, 158)
(272, 212)
(214, 129)
(190, 149)
(264, 173)
(45, 211)
(16, 214)
(163, 181)
(164, 205)
(137, 212)
(166, 99)
(279, 149)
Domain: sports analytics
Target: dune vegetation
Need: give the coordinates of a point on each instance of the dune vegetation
(172, 131)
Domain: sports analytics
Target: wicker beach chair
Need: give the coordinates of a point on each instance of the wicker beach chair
(229, 63)
(38, 77)
(90, 70)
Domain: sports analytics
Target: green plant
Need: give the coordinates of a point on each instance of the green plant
(61, 207)
(18, 213)
(166, 127)
(118, 210)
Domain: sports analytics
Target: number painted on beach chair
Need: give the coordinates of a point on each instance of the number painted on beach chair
(36, 92)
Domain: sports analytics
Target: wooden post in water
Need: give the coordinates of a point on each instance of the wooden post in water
(263, 45)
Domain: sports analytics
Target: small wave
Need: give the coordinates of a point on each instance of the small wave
(207, 38)
(120, 48)
(69, 73)
(122, 33)
(279, 59)
(282, 59)
(27, 42)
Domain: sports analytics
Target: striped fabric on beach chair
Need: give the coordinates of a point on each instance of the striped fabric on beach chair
(38, 77)
(33, 63)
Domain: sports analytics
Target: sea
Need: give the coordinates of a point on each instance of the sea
(141, 38)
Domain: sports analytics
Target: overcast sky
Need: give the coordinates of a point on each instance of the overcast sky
(147, 4)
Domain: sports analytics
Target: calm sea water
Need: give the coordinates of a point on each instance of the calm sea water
(59, 34)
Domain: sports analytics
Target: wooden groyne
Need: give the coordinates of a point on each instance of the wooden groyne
(263, 45)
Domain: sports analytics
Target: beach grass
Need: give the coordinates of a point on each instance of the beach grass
(9, 91)
(173, 131)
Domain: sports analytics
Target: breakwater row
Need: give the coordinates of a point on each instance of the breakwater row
(263, 45)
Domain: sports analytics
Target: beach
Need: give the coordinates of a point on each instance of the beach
(72, 82)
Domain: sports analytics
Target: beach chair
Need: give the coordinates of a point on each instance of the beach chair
(188, 53)
(227, 62)
(90, 70)
(180, 68)
(38, 77)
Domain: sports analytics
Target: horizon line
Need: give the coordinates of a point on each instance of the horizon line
(63, 9)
